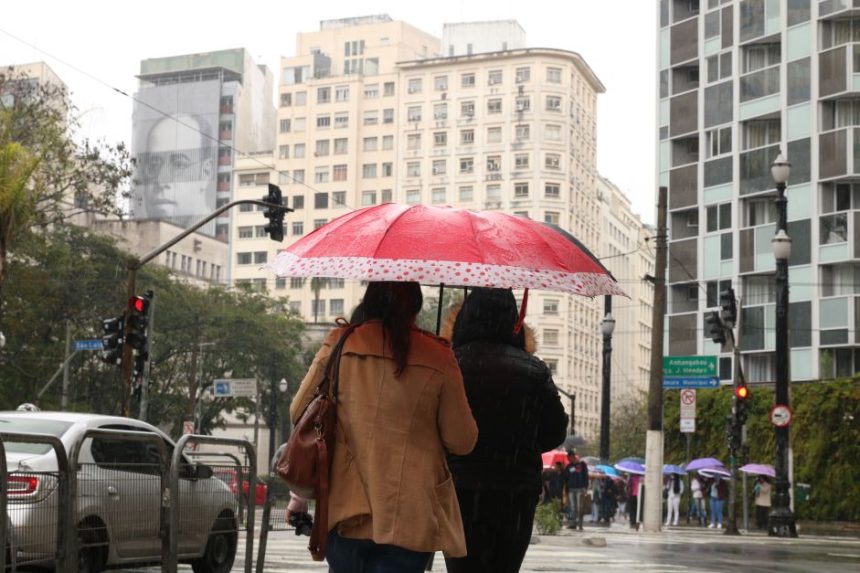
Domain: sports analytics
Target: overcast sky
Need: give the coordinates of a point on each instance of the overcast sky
(95, 46)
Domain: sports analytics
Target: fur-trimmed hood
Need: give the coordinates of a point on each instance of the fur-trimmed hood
(447, 330)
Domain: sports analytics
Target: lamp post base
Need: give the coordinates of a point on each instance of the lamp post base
(781, 523)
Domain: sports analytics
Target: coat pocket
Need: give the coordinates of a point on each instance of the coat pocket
(451, 538)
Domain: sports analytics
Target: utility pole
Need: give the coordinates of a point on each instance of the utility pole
(273, 415)
(607, 326)
(654, 437)
(64, 401)
(144, 384)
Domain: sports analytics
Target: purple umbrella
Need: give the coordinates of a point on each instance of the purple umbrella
(760, 469)
(630, 467)
(704, 463)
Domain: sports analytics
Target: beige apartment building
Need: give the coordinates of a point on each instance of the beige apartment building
(627, 250)
(370, 112)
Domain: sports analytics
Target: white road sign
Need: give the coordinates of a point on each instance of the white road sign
(234, 387)
(688, 425)
(688, 410)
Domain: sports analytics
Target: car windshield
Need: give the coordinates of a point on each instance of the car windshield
(22, 425)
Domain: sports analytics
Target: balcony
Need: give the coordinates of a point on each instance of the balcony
(755, 166)
(829, 9)
(839, 153)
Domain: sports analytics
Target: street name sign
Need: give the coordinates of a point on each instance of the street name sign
(234, 387)
(89, 344)
(688, 425)
(690, 372)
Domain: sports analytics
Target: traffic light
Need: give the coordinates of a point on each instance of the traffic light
(742, 402)
(729, 307)
(138, 315)
(112, 340)
(275, 227)
(714, 327)
(140, 363)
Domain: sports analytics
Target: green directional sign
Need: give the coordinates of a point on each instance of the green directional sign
(689, 366)
(690, 372)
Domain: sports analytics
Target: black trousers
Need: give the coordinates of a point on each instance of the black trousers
(498, 528)
(762, 516)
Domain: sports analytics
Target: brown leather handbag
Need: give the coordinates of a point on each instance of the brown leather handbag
(305, 463)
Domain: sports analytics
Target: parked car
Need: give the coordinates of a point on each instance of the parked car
(118, 498)
(229, 476)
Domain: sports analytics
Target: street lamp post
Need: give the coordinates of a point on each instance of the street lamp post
(781, 522)
(607, 326)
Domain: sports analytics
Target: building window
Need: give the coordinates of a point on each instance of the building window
(466, 194)
(387, 169)
(284, 126)
(550, 306)
(301, 98)
(320, 200)
(718, 141)
(552, 161)
(467, 80)
(241, 258)
(299, 124)
(413, 141)
(371, 117)
(341, 93)
(388, 115)
(371, 91)
(322, 147)
(550, 337)
(368, 198)
(387, 195)
(553, 103)
(286, 100)
(260, 257)
(553, 75)
(440, 83)
(298, 228)
(552, 190)
(414, 86)
(413, 169)
(467, 108)
(413, 196)
(298, 202)
(296, 307)
(323, 95)
(467, 136)
(494, 135)
(283, 152)
(260, 231)
(467, 164)
(299, 176)
(551, 217)
(413, 113)
(494, 105)
(521, 161)
(319, 223)
(323, 121)
(321, 175)
(339, 173)
(522, 132)
(494, 77)
(438, 195)
(523, 74)
(388, 89)
(440, 138)
(494, 163)
(521, 190)
(440, 111)
(318, 307)
(439, 167)
(524, 103)
(368, 170)
(340, 146)
(246, 232)
(338, 199)
(336, 306)
(494, 192)
(299, 150)
(280, 283)
(387, 142)
(370, 144)
(552, 132)
(341, 120)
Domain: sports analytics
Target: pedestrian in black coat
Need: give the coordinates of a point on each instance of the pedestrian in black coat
(519, 415)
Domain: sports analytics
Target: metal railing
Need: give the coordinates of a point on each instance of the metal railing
(170, 559)
(52, 494)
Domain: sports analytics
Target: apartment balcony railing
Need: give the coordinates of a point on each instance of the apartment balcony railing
(754, 168)
(839, 71)
(828, 9)
(839, 153)
(759, 84)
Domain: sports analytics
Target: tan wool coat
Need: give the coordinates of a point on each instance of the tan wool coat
(389, 479)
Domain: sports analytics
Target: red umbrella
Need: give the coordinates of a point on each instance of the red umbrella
(457, 247)
(553, 457)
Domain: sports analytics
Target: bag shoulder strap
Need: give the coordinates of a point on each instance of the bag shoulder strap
(332, 371)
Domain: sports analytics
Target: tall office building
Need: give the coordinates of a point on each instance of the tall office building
(627, 250)
(192, 114)
(371, 112)
(740, 81)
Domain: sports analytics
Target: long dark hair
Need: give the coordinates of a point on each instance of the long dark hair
(396, 304)
(676, 484)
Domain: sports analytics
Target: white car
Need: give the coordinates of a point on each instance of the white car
(118, 497)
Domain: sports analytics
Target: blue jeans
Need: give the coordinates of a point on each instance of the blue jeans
(716, 510)
(346, 555)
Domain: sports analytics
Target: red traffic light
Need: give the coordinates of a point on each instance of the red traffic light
(742, 392)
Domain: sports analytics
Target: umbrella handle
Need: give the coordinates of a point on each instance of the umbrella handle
(522, 316)
(439, 308)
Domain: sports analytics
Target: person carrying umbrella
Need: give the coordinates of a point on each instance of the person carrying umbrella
(519, 415)
(401, 405)
(674, 489)
(761, 490)
(575, 480)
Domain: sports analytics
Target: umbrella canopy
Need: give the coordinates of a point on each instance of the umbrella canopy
(700, 463)
(630, 467)
(608, 470)
(457, 247)
(551, 458)
(715, 472)
(634, 459)
(759, 469)
(673, 469)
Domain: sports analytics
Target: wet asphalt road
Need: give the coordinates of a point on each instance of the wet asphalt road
(620, 549)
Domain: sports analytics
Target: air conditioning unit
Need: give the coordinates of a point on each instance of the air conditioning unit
(444, 96)
(521, 89)
(521, 107)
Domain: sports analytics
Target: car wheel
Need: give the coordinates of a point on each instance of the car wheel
(92, 546)
(220, 547)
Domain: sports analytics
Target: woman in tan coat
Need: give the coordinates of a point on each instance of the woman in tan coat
(401, 409)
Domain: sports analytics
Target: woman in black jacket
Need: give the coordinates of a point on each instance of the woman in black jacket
(519, 415)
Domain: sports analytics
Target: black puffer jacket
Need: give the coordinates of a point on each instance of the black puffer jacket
(512, 396)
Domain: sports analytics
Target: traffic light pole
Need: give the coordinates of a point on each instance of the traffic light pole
(732, 527)
(134, 264)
